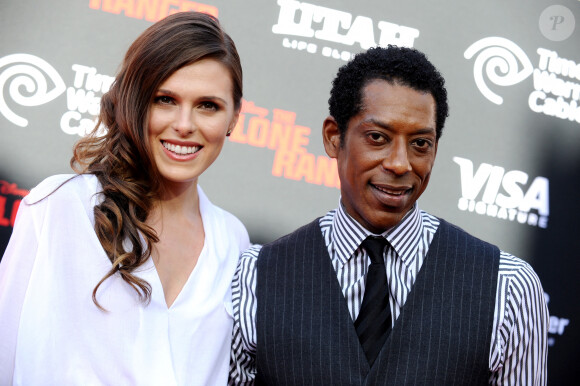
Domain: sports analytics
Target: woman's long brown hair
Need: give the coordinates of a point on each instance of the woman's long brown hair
(120, 158)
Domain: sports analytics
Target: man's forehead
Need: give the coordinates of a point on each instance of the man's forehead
(396, 85)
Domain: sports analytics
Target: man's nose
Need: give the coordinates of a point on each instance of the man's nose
(396, 159)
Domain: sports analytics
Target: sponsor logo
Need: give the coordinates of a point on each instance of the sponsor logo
(84, 100)
(150, 10)
(556, 80)
(506, 195)
(10, 198)
(326, 31)
(493, 54)
(557, 325)
(554, 95)
(280, 133)
(31, 81)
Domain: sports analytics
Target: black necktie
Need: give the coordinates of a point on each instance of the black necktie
(374, 319)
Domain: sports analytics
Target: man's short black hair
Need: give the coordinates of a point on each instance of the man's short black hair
(396, 65)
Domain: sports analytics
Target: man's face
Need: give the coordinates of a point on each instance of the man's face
(387, 154)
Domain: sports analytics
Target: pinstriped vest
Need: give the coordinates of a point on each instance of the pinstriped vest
(305, 335)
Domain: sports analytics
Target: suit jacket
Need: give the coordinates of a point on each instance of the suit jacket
(306, 336)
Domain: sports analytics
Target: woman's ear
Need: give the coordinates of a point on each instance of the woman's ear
(233, 123)
(331, 137)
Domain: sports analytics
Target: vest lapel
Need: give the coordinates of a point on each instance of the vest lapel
(391, 350)
(443, 331)
(305, 334)
(356, 352)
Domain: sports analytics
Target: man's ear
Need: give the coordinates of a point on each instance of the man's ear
(331, 137)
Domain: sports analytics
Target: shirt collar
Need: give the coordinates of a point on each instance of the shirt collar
(347, 234)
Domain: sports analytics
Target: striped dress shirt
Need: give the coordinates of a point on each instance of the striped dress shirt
(518, 353)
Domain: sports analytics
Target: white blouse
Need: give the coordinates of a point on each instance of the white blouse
(51, 332)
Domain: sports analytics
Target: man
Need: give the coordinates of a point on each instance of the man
(315, 307)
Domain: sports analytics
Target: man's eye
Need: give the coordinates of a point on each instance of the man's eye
(376, 137)
(422, 143)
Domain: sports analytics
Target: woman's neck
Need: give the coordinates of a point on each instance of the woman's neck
(178, 200)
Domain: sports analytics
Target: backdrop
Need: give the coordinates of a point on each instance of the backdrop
(508, 165)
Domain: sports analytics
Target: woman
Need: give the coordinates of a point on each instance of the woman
(120, 275)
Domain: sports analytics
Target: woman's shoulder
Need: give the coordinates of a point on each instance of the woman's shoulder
(231, 222)
(226, 220)
(63, 186)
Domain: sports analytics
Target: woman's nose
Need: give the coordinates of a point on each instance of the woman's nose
(184, 123)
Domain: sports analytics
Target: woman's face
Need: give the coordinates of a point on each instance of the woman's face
(189, 117)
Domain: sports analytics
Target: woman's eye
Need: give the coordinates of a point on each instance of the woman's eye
(209, 106)
(164, 100)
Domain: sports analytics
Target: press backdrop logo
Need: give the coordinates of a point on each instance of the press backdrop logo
(556, 80)
(506, 195)
(28, 81)
(10, 197)
(557, 325)
(276, 129)
(326, 31)
(151, 10)
(84, 98)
